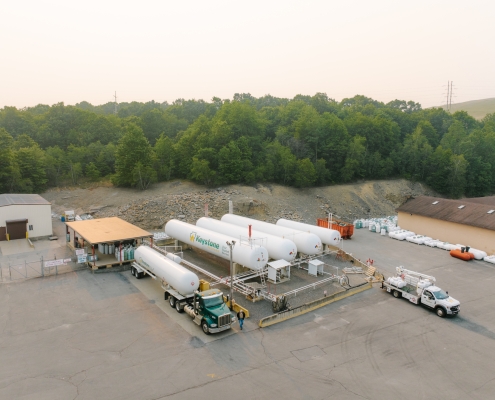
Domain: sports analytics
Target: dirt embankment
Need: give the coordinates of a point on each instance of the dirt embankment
(152, 208)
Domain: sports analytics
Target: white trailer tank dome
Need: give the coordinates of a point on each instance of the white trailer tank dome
(178, 277)
(327, 236)
(307, 243)
(278, 248)
(251, 256)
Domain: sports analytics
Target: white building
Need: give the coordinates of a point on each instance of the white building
(24, 215)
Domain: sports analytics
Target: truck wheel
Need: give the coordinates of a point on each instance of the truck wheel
(204, 325)
(132, 271)
(396, 294)
(441, 312)
(171, 300)
(138, 275)
(177, 307)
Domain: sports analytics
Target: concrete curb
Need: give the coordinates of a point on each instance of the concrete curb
(308, 307)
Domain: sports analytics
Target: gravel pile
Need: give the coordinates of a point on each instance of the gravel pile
(185, 201)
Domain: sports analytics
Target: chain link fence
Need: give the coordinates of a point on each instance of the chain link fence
(14, 270)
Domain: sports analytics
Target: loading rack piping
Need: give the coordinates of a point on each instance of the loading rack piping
(239, 285)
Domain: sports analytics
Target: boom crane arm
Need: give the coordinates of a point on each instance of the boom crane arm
(413, 274)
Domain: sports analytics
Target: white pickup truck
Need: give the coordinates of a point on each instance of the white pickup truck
(419, 288)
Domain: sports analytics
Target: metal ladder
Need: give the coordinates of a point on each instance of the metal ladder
(262, 277)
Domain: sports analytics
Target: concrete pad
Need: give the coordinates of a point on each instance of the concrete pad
(15, 247)
(89, 336)
(154, 292)
(46, 244)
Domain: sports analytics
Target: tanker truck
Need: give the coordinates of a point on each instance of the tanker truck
(207, 308)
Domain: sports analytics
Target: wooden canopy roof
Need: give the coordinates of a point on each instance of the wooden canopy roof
(106, 230)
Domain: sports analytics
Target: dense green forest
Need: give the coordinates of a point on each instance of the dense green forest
(302, 142)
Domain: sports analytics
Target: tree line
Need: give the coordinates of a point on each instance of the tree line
(302, 142)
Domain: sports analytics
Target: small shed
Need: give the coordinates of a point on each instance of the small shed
(24, 216)
(278, 271)
(315, 267)
(104, 242)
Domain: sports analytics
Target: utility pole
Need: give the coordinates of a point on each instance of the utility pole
(231, 297)
(115, 102)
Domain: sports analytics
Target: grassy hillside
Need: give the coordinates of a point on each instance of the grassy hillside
(476, 108)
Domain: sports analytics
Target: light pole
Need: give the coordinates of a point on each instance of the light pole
(231, 245)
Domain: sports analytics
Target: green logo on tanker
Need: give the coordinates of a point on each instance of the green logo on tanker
(194, 237)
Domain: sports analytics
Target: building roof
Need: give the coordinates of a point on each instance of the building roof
(8, 199)
(489, 200)
(106, 230)
(462, 211)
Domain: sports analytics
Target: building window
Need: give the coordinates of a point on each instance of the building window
(30, 227)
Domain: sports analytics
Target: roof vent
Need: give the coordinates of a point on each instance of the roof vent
(461, 206)
(435, 202)
(491, 212)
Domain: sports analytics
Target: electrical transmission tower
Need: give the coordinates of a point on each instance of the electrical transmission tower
(115, 103)
(449, 94)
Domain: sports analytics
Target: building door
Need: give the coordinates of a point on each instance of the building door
(16, 229)
(3, 232)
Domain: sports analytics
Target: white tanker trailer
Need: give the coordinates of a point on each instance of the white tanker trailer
(278, 248)
(307, 243)
(327, 236)
(250, 256)
(207, 308)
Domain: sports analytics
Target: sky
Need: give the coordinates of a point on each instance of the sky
(63, 51)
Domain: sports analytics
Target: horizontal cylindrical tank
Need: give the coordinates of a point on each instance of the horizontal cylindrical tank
(327, 236)
(178, 277)
(250, 256)
(173, 257)
(277, 247)
(307, 243)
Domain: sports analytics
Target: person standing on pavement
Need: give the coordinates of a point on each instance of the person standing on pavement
(240, 317)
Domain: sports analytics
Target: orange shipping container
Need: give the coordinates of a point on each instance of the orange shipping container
(345, 229)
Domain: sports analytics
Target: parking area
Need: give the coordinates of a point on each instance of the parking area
(109, 336)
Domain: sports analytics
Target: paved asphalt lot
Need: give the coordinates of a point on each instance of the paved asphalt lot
(83, 336)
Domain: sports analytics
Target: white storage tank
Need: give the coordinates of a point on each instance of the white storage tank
(307, 243)
(250, 256)
(327, 236)
(172, 256)
(277, 247)
(178, 277)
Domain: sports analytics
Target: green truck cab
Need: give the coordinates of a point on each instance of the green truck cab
(208, 309)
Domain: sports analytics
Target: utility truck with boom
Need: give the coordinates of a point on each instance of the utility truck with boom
(419, 288)
(207, 308)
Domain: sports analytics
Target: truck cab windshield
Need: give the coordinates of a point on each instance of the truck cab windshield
(440, 295)
(213, 301)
